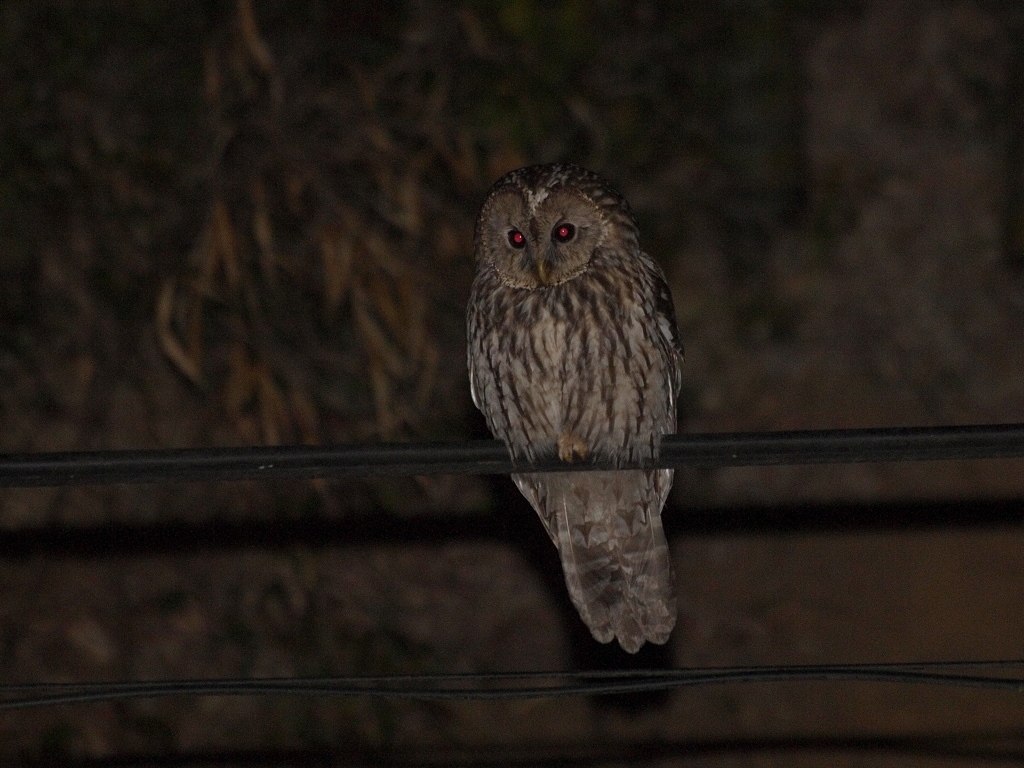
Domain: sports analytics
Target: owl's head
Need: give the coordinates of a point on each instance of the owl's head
(542, 225)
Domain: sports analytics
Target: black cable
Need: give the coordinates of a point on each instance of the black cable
(1002, 747)
(490, 457)
(488, 685)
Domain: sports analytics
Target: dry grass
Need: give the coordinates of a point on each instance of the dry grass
(323, 233)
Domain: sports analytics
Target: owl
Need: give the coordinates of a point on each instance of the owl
(573, 352)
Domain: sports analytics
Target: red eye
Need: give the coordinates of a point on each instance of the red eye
(516, 239)
(563, 233)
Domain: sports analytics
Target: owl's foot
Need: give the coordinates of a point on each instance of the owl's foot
(571, 447)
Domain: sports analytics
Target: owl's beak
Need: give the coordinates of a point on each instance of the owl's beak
(542, 270)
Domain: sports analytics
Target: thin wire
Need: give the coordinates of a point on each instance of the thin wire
(481, 686)
(490, 457)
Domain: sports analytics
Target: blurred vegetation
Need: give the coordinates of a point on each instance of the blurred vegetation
(283, 194)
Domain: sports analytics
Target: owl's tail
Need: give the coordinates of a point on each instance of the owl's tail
(607, 527)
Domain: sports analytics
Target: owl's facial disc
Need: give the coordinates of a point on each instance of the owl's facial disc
(535, 241)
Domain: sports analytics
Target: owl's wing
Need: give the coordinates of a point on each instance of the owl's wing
(472, 383)
(667, 317)
(665, 313)
(473, 342)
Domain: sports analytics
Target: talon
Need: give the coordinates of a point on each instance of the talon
(571, 447)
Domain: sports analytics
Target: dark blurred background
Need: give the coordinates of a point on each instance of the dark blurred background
(235, 223)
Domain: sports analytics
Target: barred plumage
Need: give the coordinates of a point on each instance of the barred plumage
(573, 351)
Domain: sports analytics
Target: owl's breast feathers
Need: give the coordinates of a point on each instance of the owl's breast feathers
(584, 370)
